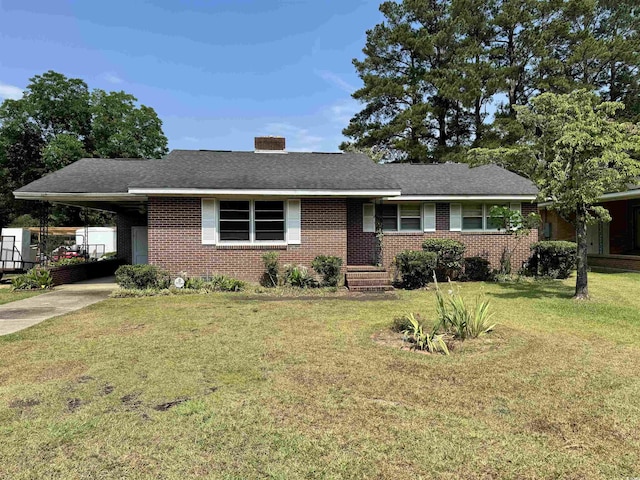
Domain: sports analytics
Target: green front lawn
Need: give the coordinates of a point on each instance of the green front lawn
(7, 295)
(278, 388)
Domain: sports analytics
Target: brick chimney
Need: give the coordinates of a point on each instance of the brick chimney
(270, 144)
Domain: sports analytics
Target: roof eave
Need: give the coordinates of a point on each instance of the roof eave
(303, 192)
(436, 198)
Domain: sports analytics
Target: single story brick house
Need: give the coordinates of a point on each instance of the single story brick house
(611, 245)
(206, 212)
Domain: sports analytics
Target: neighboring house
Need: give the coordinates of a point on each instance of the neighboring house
(611, 245)
(206, 212)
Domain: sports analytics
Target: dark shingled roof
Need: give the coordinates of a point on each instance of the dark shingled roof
(458, 179)
(219, 170)
(265, 171)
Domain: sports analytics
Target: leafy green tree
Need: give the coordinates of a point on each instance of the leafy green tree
(576, 152)
(59, 120)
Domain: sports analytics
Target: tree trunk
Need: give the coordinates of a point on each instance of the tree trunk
(582, 290)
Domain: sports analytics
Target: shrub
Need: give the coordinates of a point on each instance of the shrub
(193, 283)
(329, 268)
(429, 341)
(141, 277)
(36, 278)
(476, 269)
(298, 276)
(68, 261)
(402, 323)
(552, 259)
(456, 318)
(450, 256)
(271, 269)
(222, 283)
(109, 256)
(415, 267)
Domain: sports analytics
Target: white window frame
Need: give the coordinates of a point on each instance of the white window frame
(485, 214)
(252, 225)
(399, 219)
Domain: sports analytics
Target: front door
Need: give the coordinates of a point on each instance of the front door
(139, 245)
(598, 238)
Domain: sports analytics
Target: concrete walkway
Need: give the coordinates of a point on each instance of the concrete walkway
(21, 314)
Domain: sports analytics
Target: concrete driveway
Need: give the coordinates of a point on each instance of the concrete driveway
(16, 316)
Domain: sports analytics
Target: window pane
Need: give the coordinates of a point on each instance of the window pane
(410, 223)
(472, 223)
(472, 210)
(270, 230)
(269, 215)
(271, 205)
(390, 217)
(234, 210)
(410, 210)
(234, 205)
(234, 230)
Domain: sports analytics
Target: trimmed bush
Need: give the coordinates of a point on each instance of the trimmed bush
(553, 259)
(35, 279)
(141, 277)
(449, 256)
(271, 276)
(298, 276)
(222, 283)
(476, 269)
(329, 268)
(415, 267)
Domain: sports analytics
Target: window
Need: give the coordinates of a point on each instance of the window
(492, 224)
(390, 217)
(472, 214)
(235, 221)
(269, 221)
(475, 216)
(249, 221)
(410, 217)
(405, 217)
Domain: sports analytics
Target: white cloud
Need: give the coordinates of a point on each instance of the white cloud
(336, 80)
(342, 112)
(298, 139)
(112, 78)
(10, 91)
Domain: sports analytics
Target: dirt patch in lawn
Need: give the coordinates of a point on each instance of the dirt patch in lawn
(486, 343)
(349, 296)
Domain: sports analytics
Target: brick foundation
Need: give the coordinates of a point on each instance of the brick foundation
(175, 239)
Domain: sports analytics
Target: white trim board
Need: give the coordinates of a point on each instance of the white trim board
(446, 198)
(260, 192)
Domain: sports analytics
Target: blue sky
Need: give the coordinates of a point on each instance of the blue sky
(217, 72)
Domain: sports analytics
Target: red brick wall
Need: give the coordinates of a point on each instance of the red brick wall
(175, 239)
(614, 262)
(360, 245)
(488, 245)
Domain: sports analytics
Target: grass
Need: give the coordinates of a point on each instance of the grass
(7, 295)
(226, 386)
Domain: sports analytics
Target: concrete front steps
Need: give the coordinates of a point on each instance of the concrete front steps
(367, 278)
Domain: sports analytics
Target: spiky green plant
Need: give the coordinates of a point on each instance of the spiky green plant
(429, 341)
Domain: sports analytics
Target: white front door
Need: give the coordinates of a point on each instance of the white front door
(139, 245)
(598, 238)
